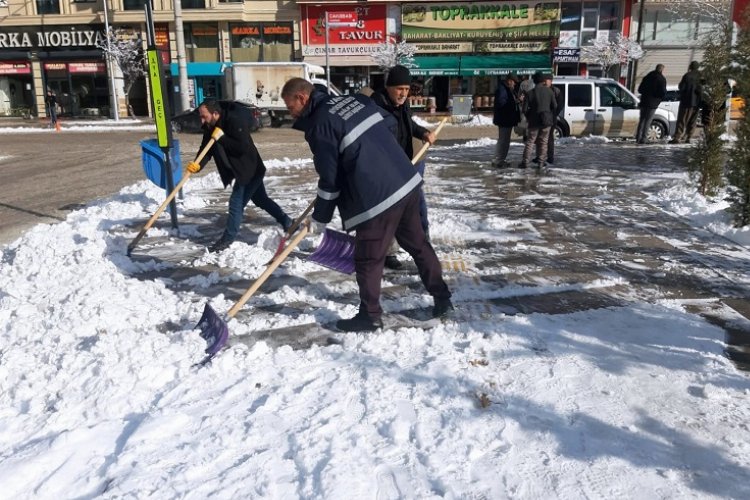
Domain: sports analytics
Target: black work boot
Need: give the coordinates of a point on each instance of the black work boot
(362, 322)
(442, 308)
(392, 262)
(220, 245)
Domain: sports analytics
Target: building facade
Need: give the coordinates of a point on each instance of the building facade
(461, 47)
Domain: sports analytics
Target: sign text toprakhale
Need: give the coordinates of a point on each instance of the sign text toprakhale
(72, 37)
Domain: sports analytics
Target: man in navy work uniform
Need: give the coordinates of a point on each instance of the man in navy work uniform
(236, 159)
(364, 172)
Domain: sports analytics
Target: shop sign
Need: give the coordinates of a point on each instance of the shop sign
(15, 68)
(277, 29)
(364, 37)
(442, 47)
(562, 55)
(55, 67)
(568, 39)
(245, 29)
(479, 21)
(531, 46)
(86, 67)
(30, 38)
(161, 37)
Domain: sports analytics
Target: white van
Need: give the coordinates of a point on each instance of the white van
(602, 106)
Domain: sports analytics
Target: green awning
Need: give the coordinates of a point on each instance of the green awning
(501, 64)
(436, 66)
(524, 63)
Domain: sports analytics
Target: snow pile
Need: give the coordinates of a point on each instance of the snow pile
(589, 139)
(477, 121)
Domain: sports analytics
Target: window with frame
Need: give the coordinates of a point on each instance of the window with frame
(47, 7)
(202, 42)
(612, 95)
(133, 4)
(252, 42)
(193, 4)
(580, 95)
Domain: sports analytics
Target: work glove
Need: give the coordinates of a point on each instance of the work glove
(193, 167)
(317, 227)
(217, 134)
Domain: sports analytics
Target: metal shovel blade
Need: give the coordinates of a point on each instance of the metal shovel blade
(213, 329)
(336, 251)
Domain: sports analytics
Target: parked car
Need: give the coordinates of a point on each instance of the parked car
(671, 101)
(603, 106)
(190, 121)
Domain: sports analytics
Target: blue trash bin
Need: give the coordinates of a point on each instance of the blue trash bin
(153, 162)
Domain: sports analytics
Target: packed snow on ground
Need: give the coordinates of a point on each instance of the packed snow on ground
(98, 396)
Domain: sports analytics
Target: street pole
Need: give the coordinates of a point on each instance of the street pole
(181, 58)
(328, 67)
(113, 102)
(638, 36)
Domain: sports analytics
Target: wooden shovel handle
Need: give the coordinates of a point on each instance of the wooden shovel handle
(270, 269)
(169, 198)
(299, 220)
(427, 144)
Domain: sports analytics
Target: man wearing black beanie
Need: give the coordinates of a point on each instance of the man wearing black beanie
(394, 99)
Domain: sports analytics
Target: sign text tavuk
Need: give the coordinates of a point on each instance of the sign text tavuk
(362, 39)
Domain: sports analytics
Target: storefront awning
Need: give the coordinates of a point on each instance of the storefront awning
(481, 65)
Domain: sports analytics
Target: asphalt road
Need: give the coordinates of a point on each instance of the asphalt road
(45, 175)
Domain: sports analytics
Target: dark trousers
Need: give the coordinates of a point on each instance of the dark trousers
(686, 118)
(238, 200)
(644, 123)
(372, 240)
(422, 200)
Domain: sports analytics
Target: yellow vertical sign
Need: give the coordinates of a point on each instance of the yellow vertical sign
(157, 98)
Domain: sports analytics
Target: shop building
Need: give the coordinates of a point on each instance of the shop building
(55, 44)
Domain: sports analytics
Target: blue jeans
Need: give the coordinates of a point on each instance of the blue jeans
(422, 201)
(241, 196)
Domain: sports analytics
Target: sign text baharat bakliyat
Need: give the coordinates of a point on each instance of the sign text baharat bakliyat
(499, 21)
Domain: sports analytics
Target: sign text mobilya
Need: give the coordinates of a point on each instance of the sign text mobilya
(60, 38)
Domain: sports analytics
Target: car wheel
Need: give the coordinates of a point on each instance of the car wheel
(657, 131)
(558, 133)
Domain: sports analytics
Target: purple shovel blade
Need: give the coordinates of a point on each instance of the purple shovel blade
(213, 329)
(336, 251)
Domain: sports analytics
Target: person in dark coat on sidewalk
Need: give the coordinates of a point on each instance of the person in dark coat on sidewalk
(653, 88)
(394, 99)
(238, 160)
(364, 172)
(540, 105)
(551, 139)
(690, 101)
(506, 115)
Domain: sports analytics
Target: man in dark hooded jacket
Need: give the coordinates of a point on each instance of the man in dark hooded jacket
(366, 175)
(506, 115)
(653, 88)
(394, 99)
(690, 101)
(237, 160)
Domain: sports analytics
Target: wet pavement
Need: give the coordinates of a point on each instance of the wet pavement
(580, 235)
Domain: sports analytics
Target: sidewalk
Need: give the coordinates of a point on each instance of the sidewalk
(580, 236)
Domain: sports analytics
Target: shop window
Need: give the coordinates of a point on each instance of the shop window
(277, 42)
(245, 42)
(202, 42)
(231, 1)
(251, 42)
(47, 7)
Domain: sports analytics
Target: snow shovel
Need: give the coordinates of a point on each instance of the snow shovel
(214, 329)
(289, 232)
(336, 250)
(174, 192)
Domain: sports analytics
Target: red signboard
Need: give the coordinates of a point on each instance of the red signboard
(370, 29)
(15, 68)
(87, 67)
(161, 36)
(55, 66)
(739, 11)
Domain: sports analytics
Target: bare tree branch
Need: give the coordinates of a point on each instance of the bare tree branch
(125, 47)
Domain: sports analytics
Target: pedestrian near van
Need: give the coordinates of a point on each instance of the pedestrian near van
(51, 101)
(690, 101)
(394, 100)
(506, 115)
(237, 160)
(653, 89)
(364, 172)
(540, 105)
(551, 139)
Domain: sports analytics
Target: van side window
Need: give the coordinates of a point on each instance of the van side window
(579, 95)
(611, 95)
